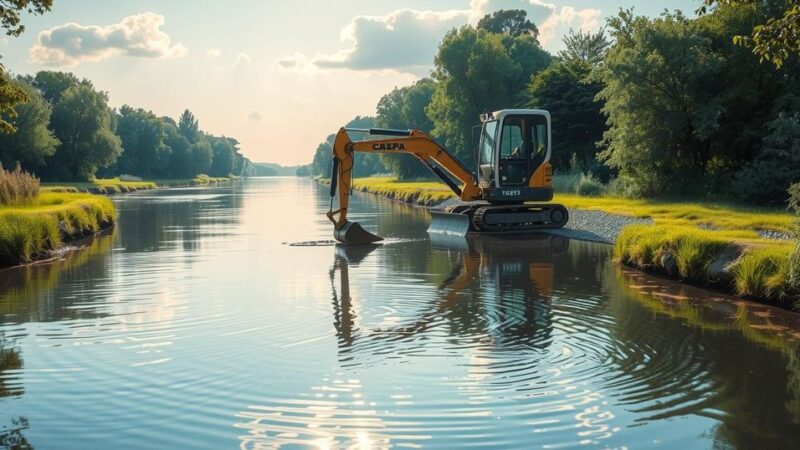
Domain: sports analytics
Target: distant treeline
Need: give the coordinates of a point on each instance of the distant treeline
(667, 105)
(64, 130)
(276, 170)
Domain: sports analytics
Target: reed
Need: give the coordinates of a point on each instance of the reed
(17, 187)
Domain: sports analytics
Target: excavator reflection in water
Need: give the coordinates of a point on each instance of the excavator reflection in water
(500, 288)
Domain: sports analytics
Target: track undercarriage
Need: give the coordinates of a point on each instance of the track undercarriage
(494, 218)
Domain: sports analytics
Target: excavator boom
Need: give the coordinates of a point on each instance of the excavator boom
(414, 142)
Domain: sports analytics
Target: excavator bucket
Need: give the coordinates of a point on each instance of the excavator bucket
(351, 233)
(448, 223)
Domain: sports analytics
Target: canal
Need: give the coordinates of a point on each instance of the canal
(195, 324)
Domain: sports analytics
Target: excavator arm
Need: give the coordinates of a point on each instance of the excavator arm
(416, 143)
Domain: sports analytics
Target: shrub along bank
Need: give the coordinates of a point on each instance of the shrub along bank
(744, 250)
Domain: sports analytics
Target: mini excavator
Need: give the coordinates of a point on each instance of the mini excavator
(513, 168)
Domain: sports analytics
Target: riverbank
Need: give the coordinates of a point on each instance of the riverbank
(109, 186)
(67, 212)
(741, 250)
(38, 230)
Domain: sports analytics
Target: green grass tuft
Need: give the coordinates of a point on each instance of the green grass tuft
(30, 231)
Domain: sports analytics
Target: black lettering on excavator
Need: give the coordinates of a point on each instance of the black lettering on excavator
(388, 146)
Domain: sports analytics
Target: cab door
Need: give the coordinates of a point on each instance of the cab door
(486, 159)
(513, 152)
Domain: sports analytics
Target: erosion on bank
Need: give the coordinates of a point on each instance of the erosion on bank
(740, 249)
(34, 231)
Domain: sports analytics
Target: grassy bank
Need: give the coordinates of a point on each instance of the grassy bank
(116, 186)
(708, 244)
(33, 231)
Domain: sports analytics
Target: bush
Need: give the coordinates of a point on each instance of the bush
(767, 177)
(18, 187)
(125, 177)
(566, 183)
(589, 186)
(794, 259)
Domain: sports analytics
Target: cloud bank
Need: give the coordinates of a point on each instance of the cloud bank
(406, 40)
(139, 35)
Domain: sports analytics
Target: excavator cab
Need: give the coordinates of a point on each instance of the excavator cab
(513, 156)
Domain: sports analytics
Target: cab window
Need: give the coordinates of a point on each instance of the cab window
(539, 137)
(512, 145)
(487, 142)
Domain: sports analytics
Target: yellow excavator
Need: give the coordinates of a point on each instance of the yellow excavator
(512, 155)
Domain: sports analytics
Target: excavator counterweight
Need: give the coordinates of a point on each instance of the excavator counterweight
(513, 157)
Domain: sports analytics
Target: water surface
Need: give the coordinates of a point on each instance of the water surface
(195, 325)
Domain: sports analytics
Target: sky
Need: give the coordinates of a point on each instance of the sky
(279, 76)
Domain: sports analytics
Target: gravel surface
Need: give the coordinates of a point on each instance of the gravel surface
(773, 234)
(585, 225)
(596, 226)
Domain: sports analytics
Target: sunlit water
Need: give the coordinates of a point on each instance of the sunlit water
(195, 325)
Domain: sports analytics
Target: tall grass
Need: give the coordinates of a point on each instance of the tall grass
(761, 270)
(17, 187)
(31, 231)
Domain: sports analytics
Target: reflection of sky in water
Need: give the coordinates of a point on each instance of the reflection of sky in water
(195, 326)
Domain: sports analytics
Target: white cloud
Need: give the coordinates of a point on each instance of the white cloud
(255, 116)
(213, 53)
(242, 60)
(406, 40)
(139, 35)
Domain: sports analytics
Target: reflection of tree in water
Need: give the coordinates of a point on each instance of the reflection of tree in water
(734, 363)
(10, 359)
(158, 220)
(38, 293)
(11, 436)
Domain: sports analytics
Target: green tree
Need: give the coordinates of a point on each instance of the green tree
(475, 72)
(776, 38)
(81, 120)
(189, 127)
(10, 94)
(511, 21)
(52, 85)
(568, 90)
(588, 47)
(33, 142)
(181, 161)
(686, 108)
(777, 165)
(145, 153)
(404, 108)
(224, 156)
(202, 156)
(10, 13)
(365, 164)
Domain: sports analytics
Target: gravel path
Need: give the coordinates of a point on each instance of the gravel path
(596, 226)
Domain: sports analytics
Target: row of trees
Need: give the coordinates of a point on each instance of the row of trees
(670, 105)
(64, 130)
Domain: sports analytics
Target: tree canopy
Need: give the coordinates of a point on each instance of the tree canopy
(405, 108)
(10, 13)
(33, 142)
(10, 20)
(777, 37)
(509, 21)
